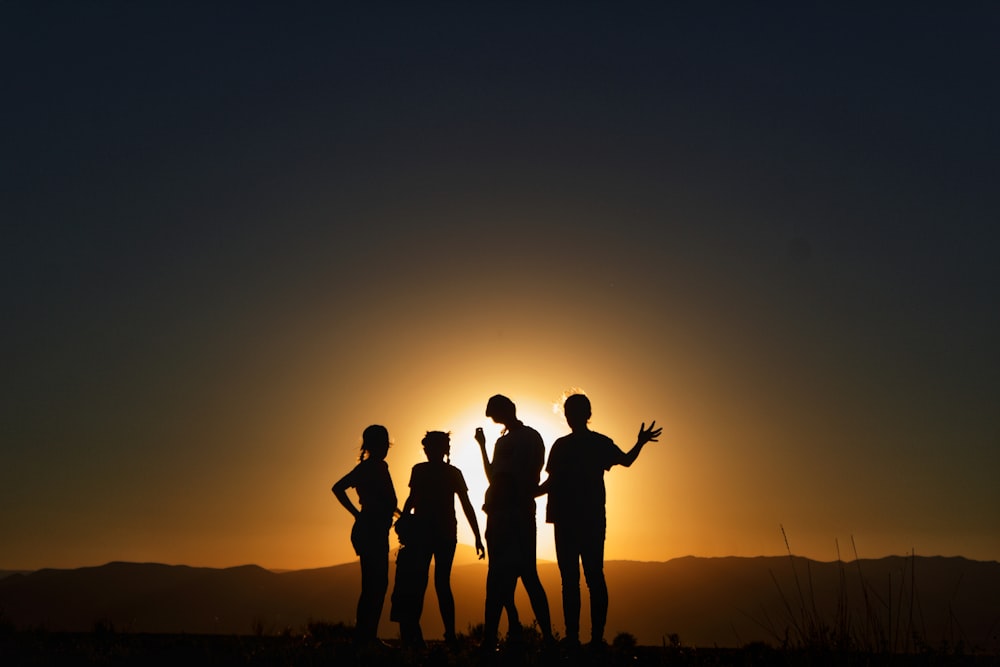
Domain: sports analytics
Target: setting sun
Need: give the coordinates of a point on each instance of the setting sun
(465, 455)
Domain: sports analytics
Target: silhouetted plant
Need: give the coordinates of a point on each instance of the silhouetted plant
(760, 653)
(528, 635)
(887, 625)
(103, 627)
(624, 645)
(324, 631)
(476, 632)
(671, 645)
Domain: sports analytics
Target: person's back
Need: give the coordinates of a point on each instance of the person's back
(576, 468)
(373, 484)
(518, 457)
(433, 486)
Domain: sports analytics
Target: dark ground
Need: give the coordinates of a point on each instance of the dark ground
(331, 647)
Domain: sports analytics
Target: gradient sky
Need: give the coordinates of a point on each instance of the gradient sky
(231, 239)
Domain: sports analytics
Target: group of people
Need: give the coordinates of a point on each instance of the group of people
(427, 526)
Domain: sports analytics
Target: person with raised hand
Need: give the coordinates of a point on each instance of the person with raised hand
(576, 509)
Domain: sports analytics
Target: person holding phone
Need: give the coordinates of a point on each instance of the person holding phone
(511, 537)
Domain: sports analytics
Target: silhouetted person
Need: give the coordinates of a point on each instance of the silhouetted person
(370, 534)
(576, 508)
(411, 580)
(513, 474)
(433, 487)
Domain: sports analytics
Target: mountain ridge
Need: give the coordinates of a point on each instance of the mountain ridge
(724, 601)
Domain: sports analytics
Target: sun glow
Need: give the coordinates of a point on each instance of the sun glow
(465, 455)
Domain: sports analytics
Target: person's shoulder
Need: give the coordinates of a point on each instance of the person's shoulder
(529, 433)
(604, 442)
(353, 473)
(559, 450)
(365, 469)
(562, 440)
(601, 438)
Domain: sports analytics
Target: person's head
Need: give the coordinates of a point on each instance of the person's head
(437, 445)
(577, 410)
(501, 409)
(374, 442)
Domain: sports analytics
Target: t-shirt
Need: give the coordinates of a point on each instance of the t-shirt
(518, 458)
(433, 486)
(376, 494)
(576, 476)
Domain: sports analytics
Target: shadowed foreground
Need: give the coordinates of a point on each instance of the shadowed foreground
(869, 605)
(331, 645)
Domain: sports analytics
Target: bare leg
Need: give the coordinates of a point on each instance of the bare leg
(374, 584)
(568, 557)
(443, 559)
(592, 554)
(528, 572)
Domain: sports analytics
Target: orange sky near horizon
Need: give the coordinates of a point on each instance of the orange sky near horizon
(707, 488)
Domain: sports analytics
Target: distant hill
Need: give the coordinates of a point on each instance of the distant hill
(704, 601)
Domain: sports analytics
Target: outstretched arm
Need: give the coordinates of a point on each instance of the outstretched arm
(487, 466)
(645, 435)
(470, 514)
(340, 490)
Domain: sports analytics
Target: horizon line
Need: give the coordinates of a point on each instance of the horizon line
(543, 561)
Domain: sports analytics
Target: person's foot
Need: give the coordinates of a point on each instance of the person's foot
(549, 646)
(597, 644)
(373, 645)
(411, 636)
